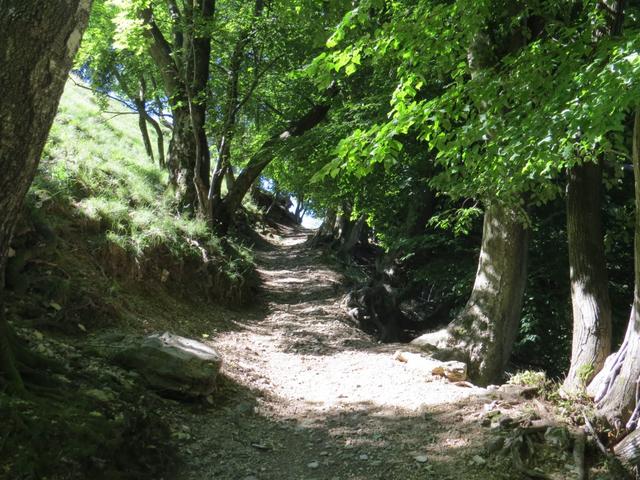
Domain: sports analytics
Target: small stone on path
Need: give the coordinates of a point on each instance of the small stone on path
(421, 458)
(314, 464)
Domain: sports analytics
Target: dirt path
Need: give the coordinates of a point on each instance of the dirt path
(308, 396)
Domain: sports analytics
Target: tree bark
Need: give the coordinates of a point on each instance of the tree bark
(615, 387)
(184, 68)
(325, 232)
(38, 41)
(484, 333)
(142, 125)
(591, 342)
(489, 323)
(352, 236)
(181, 158)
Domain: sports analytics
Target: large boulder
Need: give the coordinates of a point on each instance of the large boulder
(170, 363)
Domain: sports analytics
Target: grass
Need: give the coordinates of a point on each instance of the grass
(95, 163)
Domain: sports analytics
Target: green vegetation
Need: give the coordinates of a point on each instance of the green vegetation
(476, 165)
(94, 166)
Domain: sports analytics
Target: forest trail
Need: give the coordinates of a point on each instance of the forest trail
(307, 395)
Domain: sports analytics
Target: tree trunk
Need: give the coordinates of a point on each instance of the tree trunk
(299, 213)
(229, 178)
(484, 333)
(615, 387)
(159, 139)
(352, 236)
(181, 159)
(142, 125)
(38, 41)
(588, 272)
(184, 67)
(326, 231)
(488, 326)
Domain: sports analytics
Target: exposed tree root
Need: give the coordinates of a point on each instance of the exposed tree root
(614, 464)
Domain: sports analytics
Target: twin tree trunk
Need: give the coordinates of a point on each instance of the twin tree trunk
(184, 67)
(615, 387)
(588, 271)
(38, 41)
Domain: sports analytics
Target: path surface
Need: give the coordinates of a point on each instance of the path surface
(307, 395)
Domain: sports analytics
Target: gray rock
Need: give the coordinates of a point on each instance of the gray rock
(170, 363)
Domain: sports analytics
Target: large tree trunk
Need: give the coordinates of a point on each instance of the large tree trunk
(588, 272)
(184, 67)
(489, 324)
(181, 158)
(484, 333)
(615, 387)
(38, 41)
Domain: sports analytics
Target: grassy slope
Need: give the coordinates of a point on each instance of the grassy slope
(95, 165)
(97, 161)
(101, 246)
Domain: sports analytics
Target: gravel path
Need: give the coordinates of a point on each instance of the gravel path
(307, 395)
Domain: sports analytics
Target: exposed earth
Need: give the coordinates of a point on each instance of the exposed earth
(306, 395)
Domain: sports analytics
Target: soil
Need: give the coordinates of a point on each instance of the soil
(305, 394)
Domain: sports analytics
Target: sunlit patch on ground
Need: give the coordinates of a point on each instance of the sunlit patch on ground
(316, 398)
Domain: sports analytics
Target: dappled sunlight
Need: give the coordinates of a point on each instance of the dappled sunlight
(320, 386)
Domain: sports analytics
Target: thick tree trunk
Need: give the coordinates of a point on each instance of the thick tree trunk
(488, 326)
(38, 41)
(184, 67)
(588, 272)
(181, 158)
(484, 333)
(615, 387)
(351, 236)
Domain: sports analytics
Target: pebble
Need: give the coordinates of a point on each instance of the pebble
(364, 456)
(421, 458)
(314, 464)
